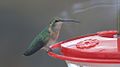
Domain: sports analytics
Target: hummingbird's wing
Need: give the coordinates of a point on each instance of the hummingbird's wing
(38, 42)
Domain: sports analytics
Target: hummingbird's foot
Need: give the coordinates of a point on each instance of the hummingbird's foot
(47, 49)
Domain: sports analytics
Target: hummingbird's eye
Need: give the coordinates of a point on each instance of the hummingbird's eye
(57, 20)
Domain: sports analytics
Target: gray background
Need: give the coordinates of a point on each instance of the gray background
(21, 20)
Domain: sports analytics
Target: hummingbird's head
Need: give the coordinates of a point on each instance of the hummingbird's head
(57, 22)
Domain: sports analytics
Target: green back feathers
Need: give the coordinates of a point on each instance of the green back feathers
(38, 42)
(42, 36)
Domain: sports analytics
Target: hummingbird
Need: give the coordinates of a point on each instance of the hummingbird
(48, 36)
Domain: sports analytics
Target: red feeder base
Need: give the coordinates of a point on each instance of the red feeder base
(101, 47)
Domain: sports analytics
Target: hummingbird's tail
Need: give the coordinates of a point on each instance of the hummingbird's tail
(34, 48)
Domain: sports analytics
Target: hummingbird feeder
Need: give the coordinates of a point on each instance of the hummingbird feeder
(101, 49)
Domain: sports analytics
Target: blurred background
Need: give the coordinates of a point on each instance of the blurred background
(21, 20)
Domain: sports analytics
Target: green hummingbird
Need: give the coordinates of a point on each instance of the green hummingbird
(47, 37)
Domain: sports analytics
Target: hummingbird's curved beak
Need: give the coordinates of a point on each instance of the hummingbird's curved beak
(69, 20)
